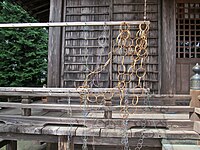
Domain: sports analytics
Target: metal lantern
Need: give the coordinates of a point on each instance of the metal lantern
(195, 79)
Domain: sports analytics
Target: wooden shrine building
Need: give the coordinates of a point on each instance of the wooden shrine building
(173, 40)
(164, 120)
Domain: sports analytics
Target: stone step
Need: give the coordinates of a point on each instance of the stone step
(180, 147)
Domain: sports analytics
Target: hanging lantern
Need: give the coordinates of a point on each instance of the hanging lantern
(195, 79)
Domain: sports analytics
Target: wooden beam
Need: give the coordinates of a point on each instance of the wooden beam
(12, 145)
(64, 144)
(54, 46)
(176, 122)
(31, 137)
(40, 6)
(3, 143)
(158, 109)
(105, 141)
(186, 1)
(168, 48)
(77, 95)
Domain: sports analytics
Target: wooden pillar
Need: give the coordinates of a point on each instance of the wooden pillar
(108, 102)
(12, 145)
(54, 46)
(168, 47)
(63, 143)
(26, 111)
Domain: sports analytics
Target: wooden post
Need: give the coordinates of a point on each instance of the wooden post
(26, 111)
(3, 143)
(54, 46)
(12, 145)
(51, 146)
(63, 143)
(108, 114)
(168, 47)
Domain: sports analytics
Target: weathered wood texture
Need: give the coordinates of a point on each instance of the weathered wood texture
(74, 94)
(168, 122)
(149, 109)
(64, 90)
(98, 133)
(187, 37)
(184, 73)
(39, 9)
(63, 143)
(12, 145)
(195, 100)
(78, 38)
(54, 45)
(26, 111)
(31, 137)
(160, 121)
(106, 142)
(168, 53)
(3, 143)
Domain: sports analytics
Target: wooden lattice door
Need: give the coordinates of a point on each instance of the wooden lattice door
(187, 41)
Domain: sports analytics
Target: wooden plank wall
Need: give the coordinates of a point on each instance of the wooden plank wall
(77, 39)
(168, 50)
(74, 47)
(134, 10)
(184, 73)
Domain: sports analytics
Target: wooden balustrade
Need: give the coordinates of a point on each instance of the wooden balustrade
(106, 116)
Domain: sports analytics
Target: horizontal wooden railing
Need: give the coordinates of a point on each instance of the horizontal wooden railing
(108, 106)
(172, 120)
(163, 109)
(75, 92)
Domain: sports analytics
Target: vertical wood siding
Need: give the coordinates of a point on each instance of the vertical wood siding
(73, 52)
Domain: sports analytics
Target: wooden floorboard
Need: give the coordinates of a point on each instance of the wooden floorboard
(160, 123)
(144, 115)
(89, 122)
(54, 114)
(93, 107)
